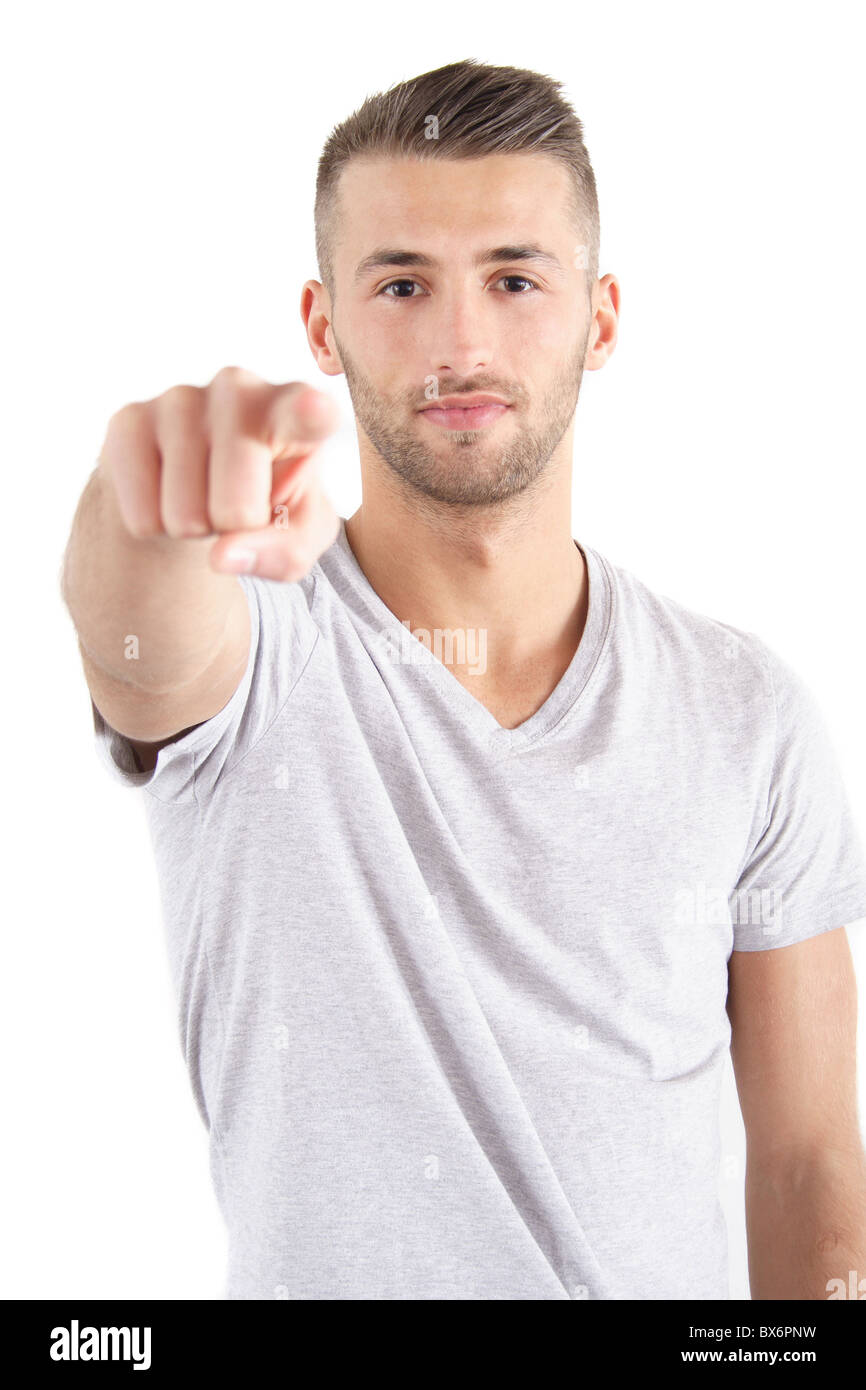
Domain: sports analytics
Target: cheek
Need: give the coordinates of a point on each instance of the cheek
(539, 353)
(555, 336)
(377, 341)
(391, 351)
(536, 332)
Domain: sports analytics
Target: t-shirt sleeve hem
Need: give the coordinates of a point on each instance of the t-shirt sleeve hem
(842, 910)
(115, 749)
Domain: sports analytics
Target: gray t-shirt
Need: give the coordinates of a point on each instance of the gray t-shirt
(452, 996)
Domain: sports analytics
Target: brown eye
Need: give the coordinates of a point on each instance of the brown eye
(399, 286)
(517, 280)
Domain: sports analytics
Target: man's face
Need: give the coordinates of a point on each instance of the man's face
(461, 278)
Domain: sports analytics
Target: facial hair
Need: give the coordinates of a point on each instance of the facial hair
(471, 471)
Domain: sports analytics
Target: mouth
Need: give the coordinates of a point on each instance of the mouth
(469, 412)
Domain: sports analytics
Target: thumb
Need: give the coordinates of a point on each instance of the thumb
(287, 549)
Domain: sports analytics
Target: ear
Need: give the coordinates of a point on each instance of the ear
(603, 328)
(316, 317)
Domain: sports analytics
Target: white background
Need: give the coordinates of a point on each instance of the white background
(159, 165)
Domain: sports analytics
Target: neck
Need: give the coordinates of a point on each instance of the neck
(512, 572)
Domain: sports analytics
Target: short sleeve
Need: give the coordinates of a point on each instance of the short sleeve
(282, 638)
(806, 874)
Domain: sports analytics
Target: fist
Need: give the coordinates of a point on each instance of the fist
(232, 460)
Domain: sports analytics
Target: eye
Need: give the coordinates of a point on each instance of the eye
(518, 280)
(399, 286)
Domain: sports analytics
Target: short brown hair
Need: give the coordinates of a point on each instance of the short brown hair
(475, 110)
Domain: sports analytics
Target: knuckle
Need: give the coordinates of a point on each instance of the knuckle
(128, 418)
(180, 399)
(231, 379)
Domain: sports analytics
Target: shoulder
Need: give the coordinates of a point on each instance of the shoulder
(698, 659)
(668, 631)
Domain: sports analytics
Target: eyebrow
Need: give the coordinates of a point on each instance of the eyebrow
(385, 256)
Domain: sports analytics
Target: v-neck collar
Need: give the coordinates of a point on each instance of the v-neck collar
(341, 568)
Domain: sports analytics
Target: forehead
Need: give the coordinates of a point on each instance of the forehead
(495, 199)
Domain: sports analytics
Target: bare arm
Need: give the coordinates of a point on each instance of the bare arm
(793, 1014)
(163, 637)
(148, 577)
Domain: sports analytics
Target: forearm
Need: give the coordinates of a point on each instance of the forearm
(806, 1224)
(157, 593)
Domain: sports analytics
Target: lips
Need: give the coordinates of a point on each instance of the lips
(468, 401)
(469, 412)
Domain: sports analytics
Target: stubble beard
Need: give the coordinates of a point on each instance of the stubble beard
(471, 471)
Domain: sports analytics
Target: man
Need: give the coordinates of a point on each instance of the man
(476, 855)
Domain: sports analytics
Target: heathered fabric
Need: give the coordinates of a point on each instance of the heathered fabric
(452, 997)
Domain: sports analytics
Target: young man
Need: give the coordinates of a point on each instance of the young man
(476, 854)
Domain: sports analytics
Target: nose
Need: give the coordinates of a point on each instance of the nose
(462, 342)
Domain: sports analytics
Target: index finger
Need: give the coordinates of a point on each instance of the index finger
(253, 425)
(298, 418)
